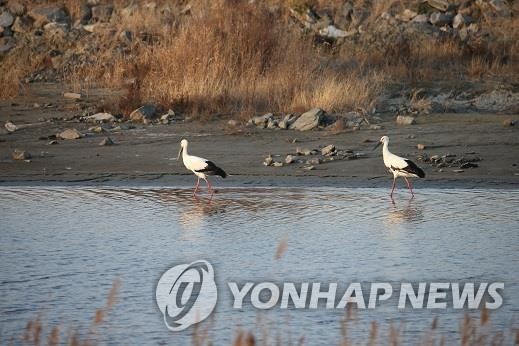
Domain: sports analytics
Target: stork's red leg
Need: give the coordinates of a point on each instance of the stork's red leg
(196, 187)
(209, 186)
(409, 186)
(393, 187)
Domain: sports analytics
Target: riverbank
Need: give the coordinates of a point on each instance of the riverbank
(472, 150)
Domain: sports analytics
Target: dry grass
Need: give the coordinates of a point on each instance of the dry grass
(34, 333)
(240, 57)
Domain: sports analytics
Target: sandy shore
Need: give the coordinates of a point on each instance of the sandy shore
(146, 154)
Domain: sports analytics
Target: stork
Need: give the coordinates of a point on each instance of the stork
(399, 166)
(201, 167)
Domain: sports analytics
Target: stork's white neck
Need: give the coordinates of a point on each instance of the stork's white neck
(385, 150)
(184, 152)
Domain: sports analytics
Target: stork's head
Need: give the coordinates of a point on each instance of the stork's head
(183, 145)
(383, 140)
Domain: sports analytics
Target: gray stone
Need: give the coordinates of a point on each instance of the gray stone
(49, 14)
(405, 120)
(328, 150)
(102, 13)
(277, 164)
(440, 19)
(70, 134)
(268, 161)
(106, 141)
(421, 18)
(309, 120)
(332, 31)
(460, 21)
(101, 117)
(289, 159)
(315, 161)
(272, 123)
(6, 19)
(10, 127)
(408, 15)
(18, 154)
(287, 121)
(261, 121)
(441, 5)
(143, 113)
(96, 129)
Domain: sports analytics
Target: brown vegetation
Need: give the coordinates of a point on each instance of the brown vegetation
(241, 57)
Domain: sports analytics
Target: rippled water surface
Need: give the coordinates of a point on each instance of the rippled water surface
(62, 248)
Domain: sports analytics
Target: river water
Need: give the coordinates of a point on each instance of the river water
(62, 248)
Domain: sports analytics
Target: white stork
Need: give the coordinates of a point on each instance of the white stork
(199, 166)
(399, 166)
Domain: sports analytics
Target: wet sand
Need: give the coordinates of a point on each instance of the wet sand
(147, 154)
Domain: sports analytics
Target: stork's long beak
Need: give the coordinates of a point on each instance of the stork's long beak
(179, 152)
(376, 146)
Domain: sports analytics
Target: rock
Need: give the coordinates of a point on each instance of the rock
(100, 117)
(232, 123)
(261, 121)
(408, 15)
(106, 141)
(16, 8)
(102, 13)
(375, 127)
(70, 134)
(289, 159)
(441, 5)
(421, 18)
(277, 164)
(466, 165)
(328, 150)
(268, 161)
(440, 19)
(18, 154)
(506, 123)
(460, 21)
(22, 24)
(272, 124)
(287, 121)
(6, 19)
(309, 168)
(405, 120)
(305, 152)
(143, 113)
(49, 14)
(10, 127)
(309, 120)
(165, 119)
(458, 171)
(420, 146)
(53, 142)
(315, 161)
(74, 96)
(332, 31)
(96, 129)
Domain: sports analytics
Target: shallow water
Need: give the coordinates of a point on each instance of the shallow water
(61, 248)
